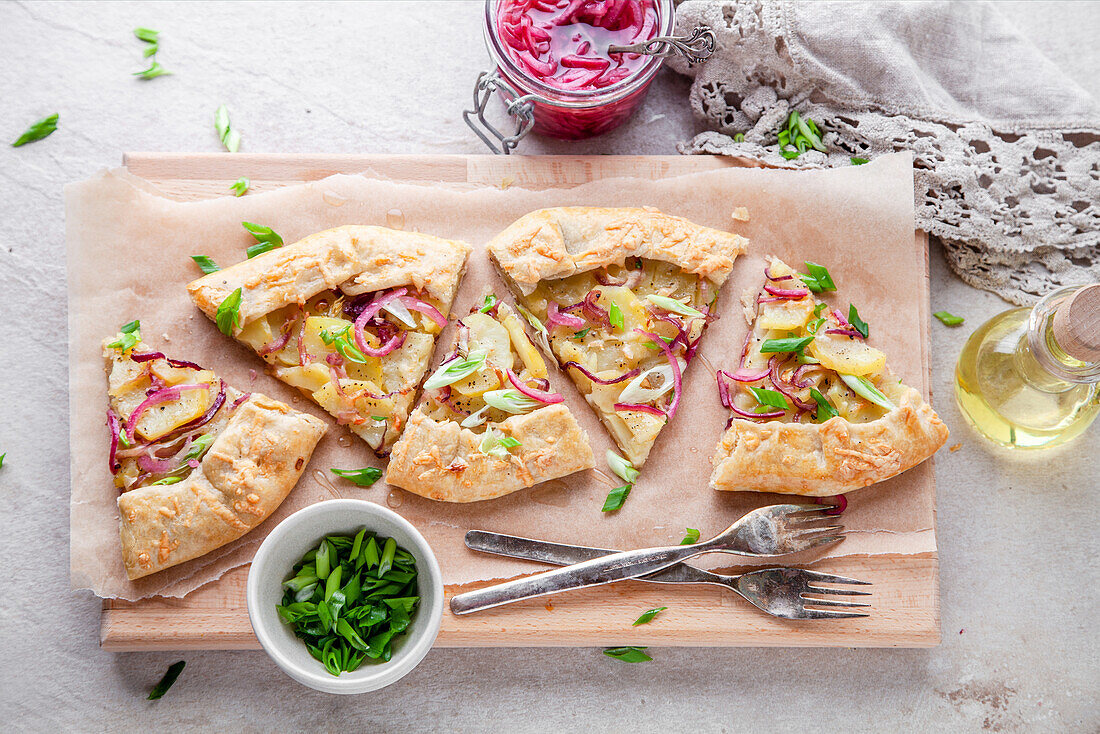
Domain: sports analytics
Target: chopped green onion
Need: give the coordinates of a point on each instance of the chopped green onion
(166, 480)
(2, 456)
(457, 369)
(241, 186)
(37, 131)
(584, 332)
(205, 264)
(771, 346)
(648, 616)
(166, 682)
(229, 313)
(819, 278)
(674, 306)
(130, 334)
(857, 323)
(490, 302)
(230, 138)
(948, 319)
(691, 537)
(858, 161)
(739, 137)
(359, 477)
(267, 239)
(510, 401)
(154, 70)
(770, 398)
(494, 443)
(628, 654)
(863, 387)
(615, 316)
(825, 410)
(622, 468)
(510, 442)
(146, 34)
(474, 419)
(616, 498)
(199, 446)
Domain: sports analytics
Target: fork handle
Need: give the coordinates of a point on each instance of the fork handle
(561, 554)
(596, 572)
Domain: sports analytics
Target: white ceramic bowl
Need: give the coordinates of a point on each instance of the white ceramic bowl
(286, 545)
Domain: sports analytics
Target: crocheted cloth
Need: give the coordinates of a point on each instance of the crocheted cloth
(1006, 148)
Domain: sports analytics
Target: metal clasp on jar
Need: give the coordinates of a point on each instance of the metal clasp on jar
(520, 108)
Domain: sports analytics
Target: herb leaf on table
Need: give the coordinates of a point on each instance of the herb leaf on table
(166, 682)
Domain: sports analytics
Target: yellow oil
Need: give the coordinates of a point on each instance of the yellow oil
(1009, 397)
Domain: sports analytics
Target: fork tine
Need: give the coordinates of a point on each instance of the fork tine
(817, 542)
(811, 533)
(840, 592)
(829, 578)
(829, 614)
(809, 508)
(829, 602)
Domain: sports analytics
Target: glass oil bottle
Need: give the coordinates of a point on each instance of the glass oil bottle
(1030, 378)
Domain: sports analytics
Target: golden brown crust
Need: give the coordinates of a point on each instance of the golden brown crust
(834, 457)
(357, 258)
(248, 471)
(441, 460)
(555, 243)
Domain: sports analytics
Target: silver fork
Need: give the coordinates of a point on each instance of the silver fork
(781, 592)
(776, 530)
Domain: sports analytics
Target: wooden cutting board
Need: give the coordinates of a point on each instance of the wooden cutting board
(905, 610)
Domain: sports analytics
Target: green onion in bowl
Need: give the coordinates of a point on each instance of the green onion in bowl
(350, 598)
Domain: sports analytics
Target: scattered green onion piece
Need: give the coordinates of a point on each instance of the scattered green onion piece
(691, 537)
(825, 410)
(622, 468)
(770, 398)
(146, 34)
(648, 616)
(676, 307)
(154, 70)
(584, 332)
(230, 138)
(360, 477)
(509, 400)
(38, 130)
(616, 498)
(130, 334)
(628, 654)
(267, 239)
(858, 161)
(510, 442)
(166, 682)
(199, 446)
(819, 278)
(457, 369)
(857, 323)
(772, 346)
(166, 480)
(490, 302)
(228, 317)
(615, 316)
(205, 264)
(863, 387)
(2, 457)
(948, 319)
(241, 186)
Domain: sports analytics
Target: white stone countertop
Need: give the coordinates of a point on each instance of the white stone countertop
(1017, 535)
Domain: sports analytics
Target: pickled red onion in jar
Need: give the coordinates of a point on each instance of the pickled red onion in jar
(564, 43)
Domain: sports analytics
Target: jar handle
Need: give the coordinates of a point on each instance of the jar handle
(519, 108)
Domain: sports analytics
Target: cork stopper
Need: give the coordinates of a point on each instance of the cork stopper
(1077, 324)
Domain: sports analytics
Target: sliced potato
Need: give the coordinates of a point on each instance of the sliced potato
(316, 346)
(486, 333)
(311, 377)
(847, 355)
(405, 366)
(634, 313)
(329, 399)
(478, 383)
(785, 314)
(257, 333)
(530, 356)
(166, 417)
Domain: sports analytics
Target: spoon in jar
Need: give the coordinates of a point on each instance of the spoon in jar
(696, 48)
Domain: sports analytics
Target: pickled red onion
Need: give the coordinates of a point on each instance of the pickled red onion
(643, 408)
(542, 396)
(599, 380)
(113, 424)
(677, 388)
(555, 316)
(425, 308)
(786, 292)
(160, 396)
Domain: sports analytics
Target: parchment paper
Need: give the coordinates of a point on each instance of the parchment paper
(128, 257)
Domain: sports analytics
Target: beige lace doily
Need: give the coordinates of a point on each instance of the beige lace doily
(1006, 148)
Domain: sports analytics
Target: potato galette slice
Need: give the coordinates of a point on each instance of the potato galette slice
(198, 463)
(622, 296)
(816, 410)
(489, 423)
(349, 316)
